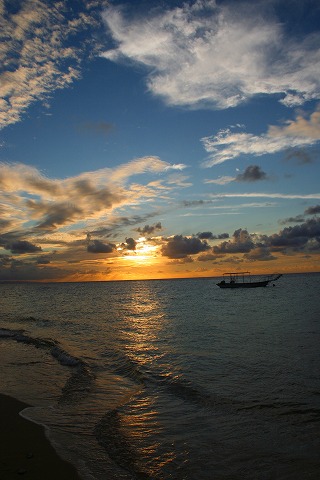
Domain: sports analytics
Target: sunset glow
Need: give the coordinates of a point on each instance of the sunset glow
(139, 143)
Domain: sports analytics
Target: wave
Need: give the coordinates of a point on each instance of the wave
(126, 366)
(79, 384)
(177, 384)
(298, 412)
(110, 436)
(173, 381)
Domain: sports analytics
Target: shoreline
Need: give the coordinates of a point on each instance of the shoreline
(25, 450)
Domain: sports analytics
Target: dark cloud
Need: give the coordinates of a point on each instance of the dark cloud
(54, 214)
(91, 195)
(301, 157)
(43, 261)
(253, 173)
(22, 246)
(241, 242)
(4, 223)
(120, 222)
(259, 254)
(207, 257)
(312, 210)
(304, 237)
(96, 246)
(297, 219)
(85, 199)
(100, 128)
(181, 261)
(196, 203)
(5, 260)
(180, 247)
(298, 235)
(149, 229)
(42, 184)
(13, 270)
(130, 244)
(211, 236)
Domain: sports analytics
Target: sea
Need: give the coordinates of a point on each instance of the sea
(169, 379)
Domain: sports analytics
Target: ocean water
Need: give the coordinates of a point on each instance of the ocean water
(169, 379)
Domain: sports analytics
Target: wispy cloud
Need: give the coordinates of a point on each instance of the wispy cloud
(33, 204)
(253, 173)
(220, 180)
(42, 51)
(288, 196)
(215, 55)
(100, 128)
(229, 144)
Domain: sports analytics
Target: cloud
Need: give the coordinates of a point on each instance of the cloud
(204, 54)
(55, 215)
(178, 179)
(139, 166)
(42, 51)
(180, 246)
(130, 244)
(40, 212)
(100, 128)
(5, 223)
(259, 254)
(221, 180)
(312, 210)
(229, 144)
(176, 166)
(116, 223)
(297, 236)
(253, 173)
(304, 237)
(17, 270)
(149, 229)
(300, 127)
(43, 260)
(196, 203)
(96, 246)
(208, 257)
(241, 242)
(39, 204)
(297, 219)
(22, 246)
(301, 156)
(210, 236)
(287, 196)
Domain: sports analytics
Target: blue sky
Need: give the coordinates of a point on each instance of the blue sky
(158, 139)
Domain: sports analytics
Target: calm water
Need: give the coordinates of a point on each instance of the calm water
(169, 379)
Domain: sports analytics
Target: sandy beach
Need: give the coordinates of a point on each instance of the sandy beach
(25, 451)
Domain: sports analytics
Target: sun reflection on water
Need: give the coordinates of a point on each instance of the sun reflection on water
(143, 339)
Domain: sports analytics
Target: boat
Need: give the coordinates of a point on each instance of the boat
(245, 280)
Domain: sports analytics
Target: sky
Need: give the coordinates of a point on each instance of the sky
(158, 139)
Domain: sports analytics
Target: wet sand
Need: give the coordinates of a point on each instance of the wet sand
(25, 452)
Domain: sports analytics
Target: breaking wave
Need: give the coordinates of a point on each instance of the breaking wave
(79, 384)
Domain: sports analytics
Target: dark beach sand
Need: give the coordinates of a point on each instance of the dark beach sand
(25, 452)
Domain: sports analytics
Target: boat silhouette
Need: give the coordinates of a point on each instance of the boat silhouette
(245, 280)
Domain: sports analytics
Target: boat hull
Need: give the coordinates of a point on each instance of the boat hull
(243, 284)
